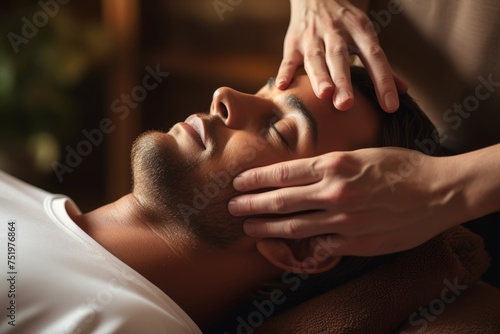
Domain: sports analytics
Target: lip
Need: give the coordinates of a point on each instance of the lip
(194, 126)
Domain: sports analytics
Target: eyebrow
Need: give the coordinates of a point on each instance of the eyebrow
(293, 102)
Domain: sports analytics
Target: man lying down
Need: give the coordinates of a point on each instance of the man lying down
(168, 257)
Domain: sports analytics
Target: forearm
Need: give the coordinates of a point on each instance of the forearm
(479, 173)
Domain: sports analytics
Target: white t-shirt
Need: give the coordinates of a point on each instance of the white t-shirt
(56, 279)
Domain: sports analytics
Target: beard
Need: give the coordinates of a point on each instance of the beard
(180, 191)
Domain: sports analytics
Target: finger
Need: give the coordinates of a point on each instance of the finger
(337, 59)
(289, 64)
(375, 60)
(315, 66)
(278, 201)
(282, 174)
(294, 227)
(381, 74)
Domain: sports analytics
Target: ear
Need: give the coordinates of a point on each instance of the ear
(310, 255)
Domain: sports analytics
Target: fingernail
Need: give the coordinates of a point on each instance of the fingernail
(239, 183)
(342, 96)
(249, 228)
(391, 101)
(233, 207)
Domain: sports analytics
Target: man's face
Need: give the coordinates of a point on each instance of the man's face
(192, 165)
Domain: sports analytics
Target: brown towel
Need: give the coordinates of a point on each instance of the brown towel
(431, 277)
(476, 311)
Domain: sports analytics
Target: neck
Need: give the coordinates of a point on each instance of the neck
(205, 281)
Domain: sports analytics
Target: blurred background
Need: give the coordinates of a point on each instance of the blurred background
(65, 66)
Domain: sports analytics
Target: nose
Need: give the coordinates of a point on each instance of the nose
(222, 102)
(237, 110)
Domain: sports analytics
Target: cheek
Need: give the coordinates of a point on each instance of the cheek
(242, 153)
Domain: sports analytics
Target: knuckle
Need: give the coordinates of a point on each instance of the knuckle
(314, 53)
(338, 188)
(254, 178)
(375, 51)
(326, 164)
(333, 163)
(316, 168)
(248, 204)
(281, 174)
(384, 80)
(293, 229)
(279, 204)
(339, 48)
(287, 62)
(329, 23)
(264, 229)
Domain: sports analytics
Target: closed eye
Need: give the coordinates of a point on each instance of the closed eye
(280, 135)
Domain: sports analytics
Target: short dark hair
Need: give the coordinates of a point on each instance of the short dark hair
(408, 127)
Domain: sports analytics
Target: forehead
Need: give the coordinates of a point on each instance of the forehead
(352, 129)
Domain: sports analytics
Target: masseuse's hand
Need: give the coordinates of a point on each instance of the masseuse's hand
(321, 35)
(375, 201)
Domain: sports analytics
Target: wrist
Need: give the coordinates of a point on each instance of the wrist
(472, 180)
(482, 181)
(448, 198)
